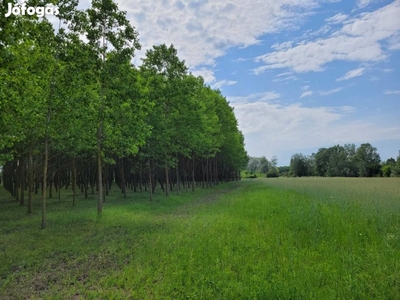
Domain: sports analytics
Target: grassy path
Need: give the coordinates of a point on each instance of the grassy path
(255, 239)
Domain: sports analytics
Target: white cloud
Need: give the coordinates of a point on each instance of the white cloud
(259, 97)
(203, 30)
(358, 40)
(394, 42)
(282, 46)
(288, 78)
(241, 59)
(363, 3)
(221, 83)
(274, 128)
(284, 74)
(336, 19)
(352, 74)
(389, 92)
(207, 74)
(329, 92)
(209, 78)
(306, 94)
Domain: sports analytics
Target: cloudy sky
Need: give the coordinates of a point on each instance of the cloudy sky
(301, 74)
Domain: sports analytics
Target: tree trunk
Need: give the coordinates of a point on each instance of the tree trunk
(30, 181)
(59, 180)
(46, 161)
(73, 180)
(22, 165)
(202, 166)
(166, 180)
(177, 177)
(121, 176)
(51, 186)
(15, 179)
(151, 183)
(99, 173)
(207, 174)
(106, 184)
(216, 171)
(192, 172)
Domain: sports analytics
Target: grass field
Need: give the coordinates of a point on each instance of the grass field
(278, 238)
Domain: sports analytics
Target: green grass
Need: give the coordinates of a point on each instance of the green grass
(285, 238)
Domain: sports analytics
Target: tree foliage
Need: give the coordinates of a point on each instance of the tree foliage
(75, 112)
(345, 161)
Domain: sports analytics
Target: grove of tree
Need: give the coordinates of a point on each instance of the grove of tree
(344, 161)
(76, 113)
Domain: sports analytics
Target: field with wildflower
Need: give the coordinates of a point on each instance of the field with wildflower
(278, 238)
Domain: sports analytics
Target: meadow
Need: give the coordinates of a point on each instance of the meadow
(278, 238)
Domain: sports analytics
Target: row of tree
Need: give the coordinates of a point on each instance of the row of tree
(75, 112)
(344, 161)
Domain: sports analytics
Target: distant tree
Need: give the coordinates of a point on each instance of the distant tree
(367, 160)
(264, 165)
(388, 167)
(337, 165)
(351, 169)
(386, 170)
(396, 168)
(253, 164)
(336, 161)
(391, 162)
(300, 165)
(322, 161)
(274, 161)
(273, 172)
(284, 170)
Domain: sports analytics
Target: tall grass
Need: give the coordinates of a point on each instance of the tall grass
(255, 239)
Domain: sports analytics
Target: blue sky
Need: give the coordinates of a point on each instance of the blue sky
(301, 74)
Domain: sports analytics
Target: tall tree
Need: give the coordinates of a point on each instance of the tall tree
(106, 25)
(165, 72)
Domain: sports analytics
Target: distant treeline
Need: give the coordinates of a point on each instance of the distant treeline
(336, 161)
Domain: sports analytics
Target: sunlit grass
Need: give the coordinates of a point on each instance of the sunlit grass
(312, 238)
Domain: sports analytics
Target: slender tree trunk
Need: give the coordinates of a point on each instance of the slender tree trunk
(121, 176)
(192, 172)
(59, 180)
(166, 181)
(216, 171)
(22, 165)
(51, 186)
(140, 183)
(186, 181)
(86, 186)
(30, 181)
(207, 174)
(73, 180)
(106, 185)
(202, 166)
(150, 182)
(15, 179)
(177, 177)
(100, 173)
(210, 172)
(44, 194)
